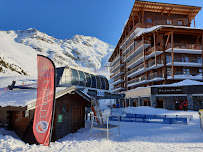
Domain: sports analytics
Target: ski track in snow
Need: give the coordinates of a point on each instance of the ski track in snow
(141, 137)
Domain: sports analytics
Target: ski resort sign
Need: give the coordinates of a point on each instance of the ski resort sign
(170, 90)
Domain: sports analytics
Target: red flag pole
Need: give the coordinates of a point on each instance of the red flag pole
(54, 102)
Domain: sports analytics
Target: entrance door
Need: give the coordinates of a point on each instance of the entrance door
(76, 118)
(160, 104)
(134, 104)
(146, 103)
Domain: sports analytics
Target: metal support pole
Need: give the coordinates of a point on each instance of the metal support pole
(107, 129)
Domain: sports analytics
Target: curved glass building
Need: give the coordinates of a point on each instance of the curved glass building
(67, 76)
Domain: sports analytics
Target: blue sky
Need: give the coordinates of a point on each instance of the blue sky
(63, 19)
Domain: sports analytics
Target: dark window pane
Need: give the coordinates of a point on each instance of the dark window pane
(93, 81)
(82, 78)
(75, 77)
(102, 83)
(88, 80)
(98, 82)
(107, 84)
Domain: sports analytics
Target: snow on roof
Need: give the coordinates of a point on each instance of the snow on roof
(186, 82)
(148, 30)
(19, 98)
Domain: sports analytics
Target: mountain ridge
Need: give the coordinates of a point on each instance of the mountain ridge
(18, 51)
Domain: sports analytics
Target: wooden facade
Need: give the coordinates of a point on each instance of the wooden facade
(168, 53)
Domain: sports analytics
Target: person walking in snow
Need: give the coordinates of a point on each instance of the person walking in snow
(185, 105)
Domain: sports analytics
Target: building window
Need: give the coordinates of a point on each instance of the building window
(149, 20)
(186, 71)
(75, 77)
(169, 21)
(180, 22)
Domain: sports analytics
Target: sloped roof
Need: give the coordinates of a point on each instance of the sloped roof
(166, 8)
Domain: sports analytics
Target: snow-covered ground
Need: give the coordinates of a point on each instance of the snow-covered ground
(141, 137)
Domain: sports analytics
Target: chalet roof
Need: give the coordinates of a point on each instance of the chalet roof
(25, 97)
(165, 8)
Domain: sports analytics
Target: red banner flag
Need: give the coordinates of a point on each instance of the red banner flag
(45, 103)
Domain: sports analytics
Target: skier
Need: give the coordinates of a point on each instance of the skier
(185, 105)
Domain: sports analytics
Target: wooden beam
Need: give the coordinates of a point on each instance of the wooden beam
(172, 54)
(167, 40)
(139, 3)
(190, 13)
(143, 15)
(194, 23)
(167, 33)
(154, 34)
(159, 36)
(170, 12)
(197, 40)
(163, 11)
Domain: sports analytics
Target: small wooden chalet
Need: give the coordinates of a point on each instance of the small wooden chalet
(69, 115)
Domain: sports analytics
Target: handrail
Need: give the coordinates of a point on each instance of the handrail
(135, 58)
(169, 73)
(115, 59)
(115, 66)
(185, 46)
(136, 68)
(186, 60)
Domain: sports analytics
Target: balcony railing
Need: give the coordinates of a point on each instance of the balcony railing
(135, 48)
(118, 78)
(118, 86)
(151, 50)
(135, 59)
(141, 66)
(115, 59)
(155, 75)
(185, 46)
(152, 63)
(136, 69)
(115, 66)
(169, 73)
(187, 60)
(116, 73)
(142, 78)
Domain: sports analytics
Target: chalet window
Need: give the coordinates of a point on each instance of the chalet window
(64, 108)
(149, 20)
(180, 22)
(186, 71)
(169, 21)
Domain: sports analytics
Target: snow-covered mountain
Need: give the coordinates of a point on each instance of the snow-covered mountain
(18, 51)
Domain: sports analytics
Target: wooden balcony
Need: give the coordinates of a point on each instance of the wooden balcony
(115, 59)
(114, 66)
(129, 54)
(117, 73)
(185, 46)
(140, 55)
(141, 66)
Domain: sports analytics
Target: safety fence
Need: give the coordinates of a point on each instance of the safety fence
(160, 119)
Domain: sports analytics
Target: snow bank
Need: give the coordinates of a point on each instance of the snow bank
(142, 137)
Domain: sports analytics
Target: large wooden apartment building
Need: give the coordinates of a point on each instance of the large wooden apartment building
(158, 46)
